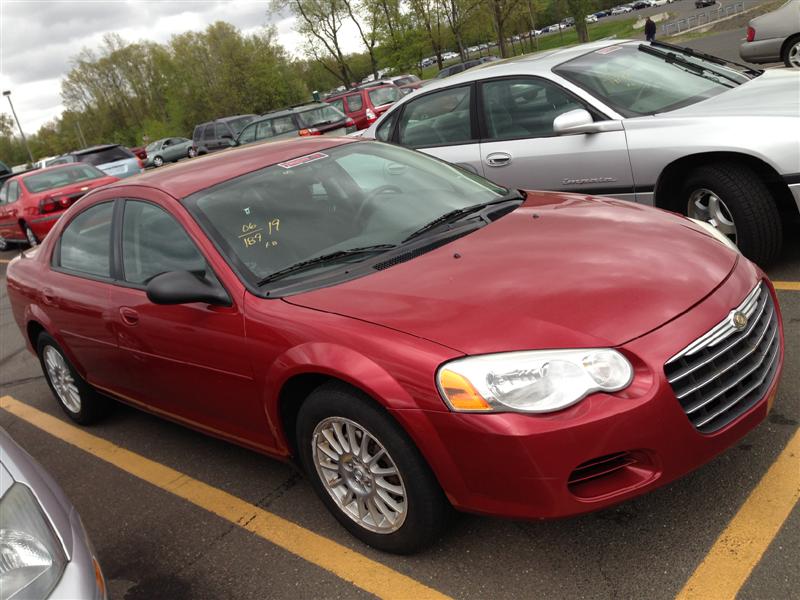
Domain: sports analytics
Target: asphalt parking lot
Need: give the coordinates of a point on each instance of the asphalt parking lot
(175, 514)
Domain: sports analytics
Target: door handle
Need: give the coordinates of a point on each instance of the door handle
(48, 298)
(498, 159)
(129, 316)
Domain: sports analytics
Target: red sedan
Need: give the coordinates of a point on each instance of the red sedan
(417, 337)
(30, 204)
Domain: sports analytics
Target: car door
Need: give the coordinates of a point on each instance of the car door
(75, 295)
(356, 109)
(188, 360)
(11, 212)
(520, 149)
(441, 124)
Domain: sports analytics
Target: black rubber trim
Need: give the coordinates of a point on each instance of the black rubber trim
(792, 178)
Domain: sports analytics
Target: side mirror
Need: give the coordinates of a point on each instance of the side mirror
(580, 121)
(183, 287)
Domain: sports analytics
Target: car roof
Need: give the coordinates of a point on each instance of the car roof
(72, 165)
(525, 63)
(187, 177)
(290, 111)
(92, 149)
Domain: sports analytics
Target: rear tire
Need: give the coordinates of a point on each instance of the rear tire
(791, 53)
(191, 153)
(158, 161)
(745, 200)
(76, 397)
(392, 502)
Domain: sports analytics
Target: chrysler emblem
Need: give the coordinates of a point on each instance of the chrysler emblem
(738, 320)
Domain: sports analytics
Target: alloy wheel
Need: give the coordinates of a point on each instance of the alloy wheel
(60, 376)
(158, 161)
(31, 237)
(3, 243)
(705, 205)
(359, 474)
(794, 55)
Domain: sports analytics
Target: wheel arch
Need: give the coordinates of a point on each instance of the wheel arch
(788, 42)
(303, 369)
(666, 194)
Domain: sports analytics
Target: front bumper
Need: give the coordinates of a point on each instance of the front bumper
(524, 466)
(82, 578)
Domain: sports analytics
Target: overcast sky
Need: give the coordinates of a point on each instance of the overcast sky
(38, 38)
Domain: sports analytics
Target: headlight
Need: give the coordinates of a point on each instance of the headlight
(716, 234)
(31, 556)
(535, 382)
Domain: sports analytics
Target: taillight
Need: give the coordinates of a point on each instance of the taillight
(53, 203)
(371, 116)
(310, 131)
(141, 162)
(751, 34)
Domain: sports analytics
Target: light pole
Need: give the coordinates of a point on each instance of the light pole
(7, 94)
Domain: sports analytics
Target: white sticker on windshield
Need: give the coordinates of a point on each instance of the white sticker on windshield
(301, 160)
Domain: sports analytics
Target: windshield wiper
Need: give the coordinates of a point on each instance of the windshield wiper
(325, 258)
(689, 66)
(708, 57)
(460, 213)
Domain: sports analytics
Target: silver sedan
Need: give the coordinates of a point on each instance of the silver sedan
(774, 37)
(652, 123)
(44, 547)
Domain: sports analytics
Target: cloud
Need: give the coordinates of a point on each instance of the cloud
(38, 38)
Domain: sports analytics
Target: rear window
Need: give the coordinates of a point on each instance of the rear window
(321, 115)
(405, 80)
(105, 156)
(49, 180)
(384, 95)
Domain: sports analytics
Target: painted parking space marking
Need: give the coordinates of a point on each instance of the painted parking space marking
(4, 261)
(741, 545)
(357, 569)
(793, 286)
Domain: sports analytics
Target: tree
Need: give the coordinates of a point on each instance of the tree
(458, 12)
(369, 13)
(501, 12)
(320, 22)
(429, 17)
(578, 10)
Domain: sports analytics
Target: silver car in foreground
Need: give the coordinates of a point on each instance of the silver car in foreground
(652, 123)
(774, 37)
(44, 549)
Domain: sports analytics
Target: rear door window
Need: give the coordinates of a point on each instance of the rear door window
(85, 244)
(13, 191)
(338, 103)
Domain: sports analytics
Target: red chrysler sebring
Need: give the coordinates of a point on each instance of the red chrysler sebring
(417, 337)
(30, 204)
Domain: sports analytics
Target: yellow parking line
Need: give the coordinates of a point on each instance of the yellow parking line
(347, 564)
(739, 548)
(4, 261)
(787, 285)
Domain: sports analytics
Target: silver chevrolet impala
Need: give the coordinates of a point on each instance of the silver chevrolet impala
(652, 123)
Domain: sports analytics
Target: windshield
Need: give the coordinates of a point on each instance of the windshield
(321, 115)
(637, 83)
(384, 95)
(355, 195)
(238, 124)
(48, 180)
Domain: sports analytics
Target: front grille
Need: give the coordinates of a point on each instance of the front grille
(725, 372)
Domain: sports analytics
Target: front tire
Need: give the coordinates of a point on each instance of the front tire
(367, 472)
(158, 161)
(734, 200)
(76, 397)
(191, 153)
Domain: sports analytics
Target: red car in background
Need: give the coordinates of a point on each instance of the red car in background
(365, 105)
(418, 337)
(30, 204)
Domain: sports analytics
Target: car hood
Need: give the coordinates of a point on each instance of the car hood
(775, 93)
(562, 270)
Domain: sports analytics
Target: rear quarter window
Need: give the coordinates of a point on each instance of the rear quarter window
(105, 156)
